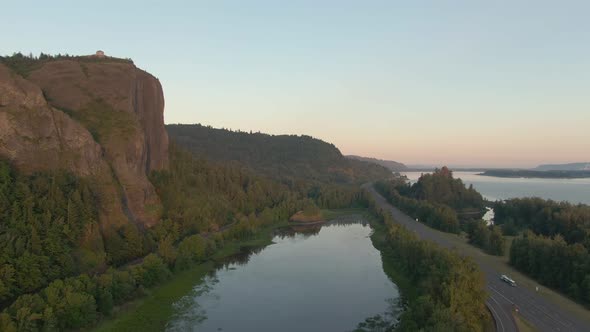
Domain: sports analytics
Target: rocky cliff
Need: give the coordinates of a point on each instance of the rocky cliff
(101, 119)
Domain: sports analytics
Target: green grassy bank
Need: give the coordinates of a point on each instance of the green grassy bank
(153, 311)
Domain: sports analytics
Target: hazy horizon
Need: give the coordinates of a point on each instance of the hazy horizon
(476, 84)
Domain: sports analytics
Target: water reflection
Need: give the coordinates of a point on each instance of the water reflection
(323, 277)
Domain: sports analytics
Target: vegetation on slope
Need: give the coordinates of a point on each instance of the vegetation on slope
(206, 207)
(389, 164)
(288, 158)
(45, 223)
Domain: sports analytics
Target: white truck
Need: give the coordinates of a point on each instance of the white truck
(507, 279)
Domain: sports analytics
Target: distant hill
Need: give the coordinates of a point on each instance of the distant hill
(554, 174)
(390, 164)
(564, 167)
(282, 157)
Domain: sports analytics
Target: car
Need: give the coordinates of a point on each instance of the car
(508, 280)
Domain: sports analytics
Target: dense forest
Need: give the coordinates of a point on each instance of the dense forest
(487, 237)
(554, 248)
(389, 164)
(450, 288)
(436, 199)
(554, 263)
(44, 218)
(439, 216)
(545, 217)
(440, 187)
(288, 158)
(43, 222)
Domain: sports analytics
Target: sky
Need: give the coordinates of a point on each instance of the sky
(470, 83)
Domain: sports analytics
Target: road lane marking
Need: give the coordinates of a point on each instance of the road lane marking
(494, 312)
(532, 303)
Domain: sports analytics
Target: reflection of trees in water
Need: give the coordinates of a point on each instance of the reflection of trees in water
(296, 230)
(386, 322)
(348, 220)
(241, 258)
(306, 231)
(188, 312)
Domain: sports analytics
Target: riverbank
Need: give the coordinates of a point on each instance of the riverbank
(418, 266)
(392, 270)
(154, 310)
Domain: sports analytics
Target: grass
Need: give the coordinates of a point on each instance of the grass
(330, 214)
(522, 324)
(152, 312)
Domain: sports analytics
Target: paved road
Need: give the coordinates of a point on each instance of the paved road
(545, 316)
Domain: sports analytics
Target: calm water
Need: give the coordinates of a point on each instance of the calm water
(328, 280)
(493, 188)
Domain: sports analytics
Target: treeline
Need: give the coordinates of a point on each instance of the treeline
(436, 199)
(554, 263)
(440, 187)
(545, 217)
(489, 238)
(287, 158)
(24, 64)
(450, 288)
(439, 216)
(78, 302)
(554, 247)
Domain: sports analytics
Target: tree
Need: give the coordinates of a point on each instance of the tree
(167, 251)
(496, 242)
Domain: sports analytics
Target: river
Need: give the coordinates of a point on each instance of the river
(495, 188)
(325, 278)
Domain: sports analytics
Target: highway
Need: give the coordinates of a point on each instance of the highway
(503, 298)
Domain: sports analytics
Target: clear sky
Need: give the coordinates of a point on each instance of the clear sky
(495, 83)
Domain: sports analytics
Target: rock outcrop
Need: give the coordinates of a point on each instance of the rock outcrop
(100, 119)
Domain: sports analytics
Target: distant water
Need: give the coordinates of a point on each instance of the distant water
(494, 188)
(329, 279)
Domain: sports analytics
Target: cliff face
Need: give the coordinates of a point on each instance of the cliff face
(102, 120)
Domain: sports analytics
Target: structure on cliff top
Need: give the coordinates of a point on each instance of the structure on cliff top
(100, 54)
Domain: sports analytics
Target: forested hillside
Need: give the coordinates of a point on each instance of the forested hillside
(283, 157)
(390, 164)
(95, 208)
(44, 218)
